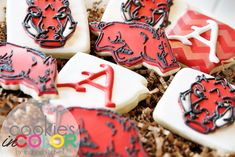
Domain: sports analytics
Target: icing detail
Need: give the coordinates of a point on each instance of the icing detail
(28, 67)
(213, 26)
(196, 55)
(151, 12)
(49, 23)
(113, 98)
(153, 49)
(108, 88)
(209, 104)
(120, 139)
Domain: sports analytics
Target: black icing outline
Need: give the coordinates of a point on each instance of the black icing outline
(42, 80)
(127, 124)
(161, 9)
(195, 109)
(157, 33)
(43, 32)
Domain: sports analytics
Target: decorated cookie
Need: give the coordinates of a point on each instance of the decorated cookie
(87, 81)
(202, 43)
(113, 135)
(208, 104)
(135, 44)
(28, 70)
(57, 27)
(200, 108)
(152, 12)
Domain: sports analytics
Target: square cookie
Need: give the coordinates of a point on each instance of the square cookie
(56, 27)
(199, 108)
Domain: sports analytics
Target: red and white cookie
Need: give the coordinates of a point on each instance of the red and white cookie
(135, 44)
(202, 43)
(113, 135)
(152, 12)
(200, 108)
(87, 81)
(28, 70)
(57, 27)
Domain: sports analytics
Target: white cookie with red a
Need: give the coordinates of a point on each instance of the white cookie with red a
(200, 108)
(87, 81)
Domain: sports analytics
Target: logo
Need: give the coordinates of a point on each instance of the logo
(34, 129)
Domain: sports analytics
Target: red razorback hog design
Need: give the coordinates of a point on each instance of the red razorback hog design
(113, 134)
(148, 11)
(20, 66)
(49, 22)
(209, 104)
(135, 44)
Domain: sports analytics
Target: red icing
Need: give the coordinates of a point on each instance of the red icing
(28, 67)
(197, 55)
(105, 133)
(214, 105)
(108, 88)
(132, 44)
(50, 18)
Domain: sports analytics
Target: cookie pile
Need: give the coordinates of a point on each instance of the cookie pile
(136, 35)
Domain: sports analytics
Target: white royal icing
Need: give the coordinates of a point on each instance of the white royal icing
(213, 26)
(129, 88)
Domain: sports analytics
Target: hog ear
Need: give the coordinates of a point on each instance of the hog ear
(97, 27)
